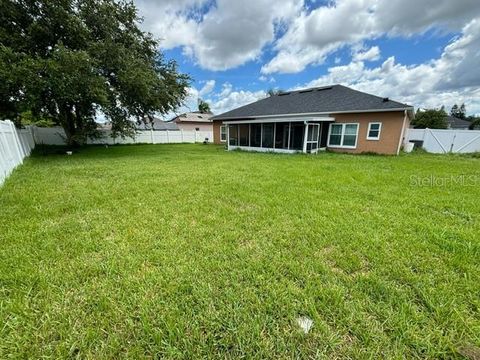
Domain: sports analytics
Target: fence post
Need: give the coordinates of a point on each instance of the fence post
(168, 138)
(151, 136)
(181, 134)
(453, 141)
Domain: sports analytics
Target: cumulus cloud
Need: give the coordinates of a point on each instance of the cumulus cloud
(452, 78)
(226, 35)
(207, 88)
(313, 36)
(371, 54)
(236, 99)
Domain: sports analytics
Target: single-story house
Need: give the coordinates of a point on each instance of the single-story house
(194, 121)
(334, 117)
(456, 123)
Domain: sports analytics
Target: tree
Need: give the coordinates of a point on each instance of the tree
(430, 118)
(203, 106)
(475, 122)
(68, 60)
(459, 112)
(273, 92)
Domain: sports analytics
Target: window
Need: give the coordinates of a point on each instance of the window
(335, 135)
(343, 135)
(374, 129)
(233, 134)
(267, 136)
(223, 133)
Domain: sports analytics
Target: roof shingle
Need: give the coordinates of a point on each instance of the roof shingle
(327, 99)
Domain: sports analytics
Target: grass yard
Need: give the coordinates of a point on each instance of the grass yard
(187, 251)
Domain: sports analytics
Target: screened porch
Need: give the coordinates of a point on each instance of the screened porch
(278, 136)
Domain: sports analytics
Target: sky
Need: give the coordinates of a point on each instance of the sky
(425, 53)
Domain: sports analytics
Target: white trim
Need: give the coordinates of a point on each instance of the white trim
(370, 128)
(225, 126)
(260, 149)
(342, 136)
(316, 113)
(305, 145)
(292, 119)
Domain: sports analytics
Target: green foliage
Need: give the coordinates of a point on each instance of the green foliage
(430, 118)
(475, 122)
(94, 266)
(459, 112)
(273, 92)
(27, 118)
(203, 107)
(67, 60)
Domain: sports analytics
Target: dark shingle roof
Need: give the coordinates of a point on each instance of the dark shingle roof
(456, 123)
(325, 99)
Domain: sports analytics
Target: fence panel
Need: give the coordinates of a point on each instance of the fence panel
(15, 145)
(445, 141)
(56, 136)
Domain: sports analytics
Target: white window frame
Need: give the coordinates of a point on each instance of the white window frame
(342, 135)
(370, 127)
(226, 133)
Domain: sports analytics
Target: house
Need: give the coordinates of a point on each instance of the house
(156, 124)
(458, 124)
(334, 117)
(194, 121)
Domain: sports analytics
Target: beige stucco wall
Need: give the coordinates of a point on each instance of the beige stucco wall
(193, 126)
(392, 124)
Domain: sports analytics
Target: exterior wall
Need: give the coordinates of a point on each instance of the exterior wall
(390, 135)
(216, 132)
(190, 126)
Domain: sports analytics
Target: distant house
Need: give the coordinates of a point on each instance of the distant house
(156, 125)
(334, 117)
(456, 123)
(194, 121)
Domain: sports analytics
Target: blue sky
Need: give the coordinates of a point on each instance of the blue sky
(424, 52)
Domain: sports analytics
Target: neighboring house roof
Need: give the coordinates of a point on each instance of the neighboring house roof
(156, 124)
(326, 99)
(193, 117)
(456, 123)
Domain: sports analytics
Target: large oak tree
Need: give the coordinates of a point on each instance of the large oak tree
(69, 60)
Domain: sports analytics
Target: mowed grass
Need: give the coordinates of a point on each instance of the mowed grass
(188, 251)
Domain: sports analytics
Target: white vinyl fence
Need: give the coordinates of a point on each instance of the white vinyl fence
(15, 145)
(445, 141)
(56, 136)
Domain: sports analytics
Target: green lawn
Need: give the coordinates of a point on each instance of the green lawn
(188, 251)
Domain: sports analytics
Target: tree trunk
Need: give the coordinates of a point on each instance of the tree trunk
(68, 124)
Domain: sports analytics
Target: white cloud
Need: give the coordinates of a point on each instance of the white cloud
(452, 78)
(207, 88)
(235, 99)
(226, 35)
(313, 36)
(371, 54)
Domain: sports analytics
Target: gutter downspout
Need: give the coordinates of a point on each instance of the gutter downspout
(402, 133)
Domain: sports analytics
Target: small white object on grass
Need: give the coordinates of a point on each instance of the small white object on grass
(69, 152)
(305, 323)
